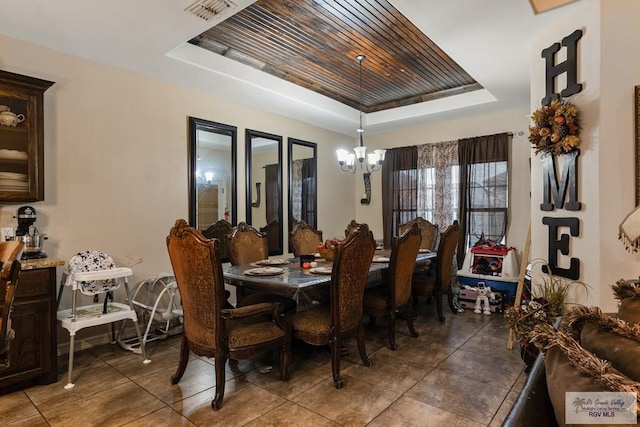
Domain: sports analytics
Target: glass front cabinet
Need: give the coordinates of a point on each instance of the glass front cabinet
(21, 137)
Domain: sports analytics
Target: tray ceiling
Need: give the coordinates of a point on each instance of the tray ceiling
(313, 43)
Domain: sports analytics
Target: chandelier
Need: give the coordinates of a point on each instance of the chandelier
(372, 161)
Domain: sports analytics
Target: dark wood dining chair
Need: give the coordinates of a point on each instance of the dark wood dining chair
(247, 245)
(326, 324)
(272, 231)
(9, 274)
(352, 226)
(395, 294)
(435, 285)
(304, 239)
(209, 329)
(220, 230)
(428, 231)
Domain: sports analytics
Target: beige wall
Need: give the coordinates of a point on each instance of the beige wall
(116, 157)
(606, 171)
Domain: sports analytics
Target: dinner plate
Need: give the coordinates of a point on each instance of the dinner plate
(381, 259)
(320, 270)
(264, 271)
(274, 261)
(424, 251)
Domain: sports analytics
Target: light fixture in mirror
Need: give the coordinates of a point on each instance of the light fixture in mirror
(264, 170)
(212, 173)
(303, 198)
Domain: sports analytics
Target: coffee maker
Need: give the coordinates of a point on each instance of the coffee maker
(28, 233)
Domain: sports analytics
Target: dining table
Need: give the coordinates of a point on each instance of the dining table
(285, 276)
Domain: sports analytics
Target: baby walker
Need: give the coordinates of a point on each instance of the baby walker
(158, 300)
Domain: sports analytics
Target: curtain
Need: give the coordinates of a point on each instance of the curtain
(308, 190)
(296, 189)
(438, 175)
(483, 189)
(303, 190)
(272, 192)
(399, 190)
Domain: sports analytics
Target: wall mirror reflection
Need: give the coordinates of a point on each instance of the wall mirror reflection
(212, 178)
(302, 182)
(264, 186)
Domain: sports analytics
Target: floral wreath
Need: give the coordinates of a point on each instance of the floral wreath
(555, 128)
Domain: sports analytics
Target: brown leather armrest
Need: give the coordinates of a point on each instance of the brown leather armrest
(533, 407)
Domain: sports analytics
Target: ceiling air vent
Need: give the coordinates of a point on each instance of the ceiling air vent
(207, 9)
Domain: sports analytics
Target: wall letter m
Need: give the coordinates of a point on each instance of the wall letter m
(568, 181)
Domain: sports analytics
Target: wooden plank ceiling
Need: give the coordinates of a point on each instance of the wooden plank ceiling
(313, 43)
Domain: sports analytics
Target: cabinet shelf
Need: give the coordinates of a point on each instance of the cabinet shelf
(16, 129)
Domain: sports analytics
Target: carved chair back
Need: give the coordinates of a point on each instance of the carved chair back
(198, 273)
(220, 230)
(428, 231)
(404, 250)
(349, 277)
(445, 256)
(272, 231)
(352, 226)
(246, 245)
(304, 239)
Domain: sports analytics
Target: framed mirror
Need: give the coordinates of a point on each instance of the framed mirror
(264, 186)
(303, 175)
(212, 177)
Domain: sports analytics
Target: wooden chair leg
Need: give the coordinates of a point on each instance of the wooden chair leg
(335, 363)
(182, 364)
(391, 330)
(285, 361)
(412, 329)
(220, 360)
(438, 297)
(361, 345)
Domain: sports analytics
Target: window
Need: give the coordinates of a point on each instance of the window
(488, 188)
(465, 180)
(399, 190)
(484, 166)
(404, 198)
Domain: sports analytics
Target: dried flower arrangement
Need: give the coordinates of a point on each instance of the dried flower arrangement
(555, 128)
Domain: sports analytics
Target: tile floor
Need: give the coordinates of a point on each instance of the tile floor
(459, 373)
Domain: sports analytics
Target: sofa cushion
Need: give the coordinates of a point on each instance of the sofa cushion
(629, 310)
(629, 295)
(608, 337)
(571, 368)
(563, 377)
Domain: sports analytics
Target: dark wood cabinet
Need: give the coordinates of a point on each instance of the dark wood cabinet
(33, 353)
(21, 137)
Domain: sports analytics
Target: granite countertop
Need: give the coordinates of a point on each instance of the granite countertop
(33, 264)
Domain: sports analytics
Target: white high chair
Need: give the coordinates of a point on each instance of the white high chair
(93, 273)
